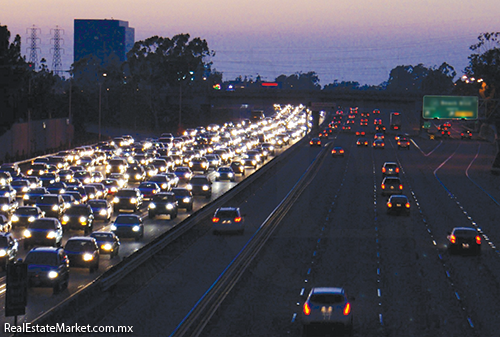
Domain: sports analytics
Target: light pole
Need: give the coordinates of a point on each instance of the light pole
(100, 89)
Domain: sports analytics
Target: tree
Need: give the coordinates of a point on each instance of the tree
(300, 81)
(484, 63)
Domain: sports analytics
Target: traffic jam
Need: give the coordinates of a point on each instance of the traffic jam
(65, 213)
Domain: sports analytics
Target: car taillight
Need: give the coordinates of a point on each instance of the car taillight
(400, 187)
(307, 310)
(347, 309)
(389, 205)
(397, 169)
(383, 169)
(407, 205)
(478, 239)
(383, 186)
(341, 151)
(215, 219)
(383, 144)
(311, 142)
(453, 239)
(238, 219)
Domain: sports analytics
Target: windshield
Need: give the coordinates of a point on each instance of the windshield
(126, 219)
(26, 211)
(75, 210)
(46, 258)
(79, 246)
(42, 224)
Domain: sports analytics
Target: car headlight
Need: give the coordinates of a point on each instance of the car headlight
(25, 189)
(186, 200)
(254, 162)
(137, 176)
(133, 200)
(51, 235)
(15, 218)
(230, 175)
(55, 208)
(106, 246)
(126, 176)
(116, 200)
(102, 212)
(3, 252)
(189, 187)
(27, 233)
(83, 219)
(152, 206)
(65, 218)
(164, 186)
(88, 257)
(53, 274)
(205, 187)
(136, 228)
(26, 197)
(217, 174)
(170, 206)
(5, 208)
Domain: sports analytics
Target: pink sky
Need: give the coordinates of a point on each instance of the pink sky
(359, 40)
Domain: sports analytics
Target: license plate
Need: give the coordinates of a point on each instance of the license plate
(465, 245)
(398, 205)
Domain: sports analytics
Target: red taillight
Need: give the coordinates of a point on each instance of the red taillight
(215, 219)
(478, 240)
(307, 310)
(400, 187)
(238, 219)
(383, 169)
(383, 144)
(397, 169)
(389, 205)
(311, 142)
(347, 309)
(453, 239)
(341, 151)
(383, 186)
(407, 205)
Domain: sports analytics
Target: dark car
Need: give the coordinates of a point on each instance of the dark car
(52, 204)
(163, 203)
(79, 217)
(8, 205)
(83, 252)
(184, 198)
(390, 169)
(378, 144)
(362, 142)
(183, 173)
(228, 219)
(391, 185)
(466, 134)
(49, 178)
(315, 142)
(7, 191)
(5, 223)
(398, 204)
(199, 164)
(44, 232)
(26, 214)
(48, 267)
(128, 225)
(403, 143)
(162, 181)
(102, 209)
(149, 189)
(338, 151)
(21, 186)
(127, 198)
(225, 173)
(200, 185)
(30, 197)
(136, 173)
(112, 185)
(107, 242)
(85, 177)
(37, 169)
(57, 187)
(8, 249)
(464, 239)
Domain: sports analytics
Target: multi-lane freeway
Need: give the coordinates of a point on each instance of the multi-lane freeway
(396, 269)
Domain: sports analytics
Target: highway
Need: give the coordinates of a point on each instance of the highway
(398, 270)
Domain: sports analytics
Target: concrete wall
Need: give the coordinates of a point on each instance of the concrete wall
(34, 138)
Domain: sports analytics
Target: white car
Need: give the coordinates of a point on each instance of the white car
(327, 306)
(228, 219)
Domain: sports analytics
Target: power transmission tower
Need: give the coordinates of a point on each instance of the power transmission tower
(33, 48)
(56, 50)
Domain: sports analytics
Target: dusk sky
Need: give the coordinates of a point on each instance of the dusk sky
(355, 40)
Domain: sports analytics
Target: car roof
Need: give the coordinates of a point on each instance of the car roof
(44, 249)
(327, 290)
(80, 238)
(465, 229)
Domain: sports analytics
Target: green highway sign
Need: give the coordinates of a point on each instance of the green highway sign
(450, 107)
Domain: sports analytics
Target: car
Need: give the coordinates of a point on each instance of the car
(128, 225)
(66, 175)
(102, 209)
(315, 142)
(464, 239)
(101, 192)
(403, 143)
(327, 306)
(52, 204)
(57, 187)
(8, 249)
(26, 214)
(163, 203)
(184, 198)
(162, 181)
(466, 134)
(5, 223)
(362, 142)
(228, 219)
(37, 169)
(200, 185)
(360, 133)
(199, 164)
(135, 173)
(30, 197)
(391, 185)
(107, 242)
(112, 185)
(172, 179)
(238, 167)
(84, 176)
(224, 173)
(43, 231)
(183, 173)
(380, 128)
(22, 186)
(8, 205)
(390, 168)
(378, 144)
(397, 204)
(149, 189)
(82, 252)
(7, 191)
(79, 217)
(127, 198)
(338, 151)
(48, 267)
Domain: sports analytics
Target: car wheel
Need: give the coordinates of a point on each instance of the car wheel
(190, 208)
